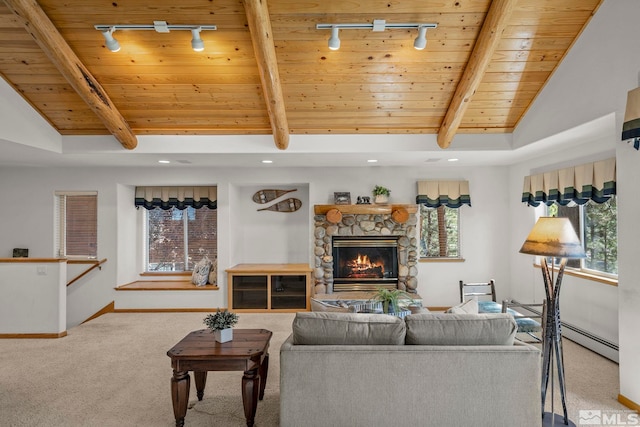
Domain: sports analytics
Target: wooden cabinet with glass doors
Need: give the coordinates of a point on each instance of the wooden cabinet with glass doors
(269, 287)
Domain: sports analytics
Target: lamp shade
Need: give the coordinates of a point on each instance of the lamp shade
(553, 237)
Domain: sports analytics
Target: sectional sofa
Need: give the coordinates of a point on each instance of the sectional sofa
(433, 369)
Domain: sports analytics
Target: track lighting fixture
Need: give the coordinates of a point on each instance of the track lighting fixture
(377, 25)
(158, 26)
(334, 40)
(111, 43)
(421, 41)
(196, 42)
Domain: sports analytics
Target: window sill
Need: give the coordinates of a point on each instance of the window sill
(165, 285)
(435, 259)
(166, 273)
(581, 274)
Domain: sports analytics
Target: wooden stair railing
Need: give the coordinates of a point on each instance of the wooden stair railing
(94, 264)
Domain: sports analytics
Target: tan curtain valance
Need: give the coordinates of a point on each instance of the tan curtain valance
(178, 197)
(631, 125)
(452, 194)
(591, 181)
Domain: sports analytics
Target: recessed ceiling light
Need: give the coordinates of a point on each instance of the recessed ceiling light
(452, 160)
(372, 161)
(267, 161)
(164, 161)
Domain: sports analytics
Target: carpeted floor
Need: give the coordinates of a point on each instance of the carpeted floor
(114, 371)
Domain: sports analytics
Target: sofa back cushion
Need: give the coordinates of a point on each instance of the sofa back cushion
(461, 329)
(328, 328)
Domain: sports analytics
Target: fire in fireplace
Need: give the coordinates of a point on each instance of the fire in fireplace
(365, 263)
(363, 268)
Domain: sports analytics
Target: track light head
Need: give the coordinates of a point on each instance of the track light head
(421, 41)
(111, 43)
(196, 42)
(334, 40)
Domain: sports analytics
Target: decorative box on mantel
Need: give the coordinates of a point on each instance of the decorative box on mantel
(397, 221)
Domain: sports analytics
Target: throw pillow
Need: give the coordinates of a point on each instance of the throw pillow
(201, 272)
(317, 305)
(468, 307)
(213, 272)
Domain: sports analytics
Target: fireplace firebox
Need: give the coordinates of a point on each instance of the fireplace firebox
(365, 263)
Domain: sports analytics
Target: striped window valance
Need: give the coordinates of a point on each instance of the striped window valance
(178, 197)
(443, 193)
(631, 125)
(591, 181)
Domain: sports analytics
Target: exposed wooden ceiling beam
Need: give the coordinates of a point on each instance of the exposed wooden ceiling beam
(38, 24)
(486, 44)
(265, 51)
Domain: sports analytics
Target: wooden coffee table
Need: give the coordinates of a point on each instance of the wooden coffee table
(200, 353)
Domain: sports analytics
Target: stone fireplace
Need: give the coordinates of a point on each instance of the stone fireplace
(362, 247)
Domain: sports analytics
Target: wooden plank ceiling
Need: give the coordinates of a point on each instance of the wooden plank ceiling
(375, 83)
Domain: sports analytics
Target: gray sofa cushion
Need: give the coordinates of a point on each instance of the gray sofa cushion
(461, 329)
(327, 328)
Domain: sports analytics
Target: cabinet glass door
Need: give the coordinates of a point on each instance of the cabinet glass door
(250, 292)
(288, 291)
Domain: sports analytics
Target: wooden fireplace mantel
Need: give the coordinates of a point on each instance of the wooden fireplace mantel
(365, 209)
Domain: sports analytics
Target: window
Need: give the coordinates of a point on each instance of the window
(177, 239)
(77, 223)
(596, 226)
(439, 232)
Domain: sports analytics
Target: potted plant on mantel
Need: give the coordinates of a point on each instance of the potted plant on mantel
(221, 324)
(381, 194)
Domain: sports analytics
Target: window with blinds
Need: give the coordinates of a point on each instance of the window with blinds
(77, 221)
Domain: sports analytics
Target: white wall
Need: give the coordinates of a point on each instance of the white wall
(253, 230)
(592, 82)
(34, 297)
(128, 258)
(484, 237)
(21, 123)
(629, 274)
(484, 230)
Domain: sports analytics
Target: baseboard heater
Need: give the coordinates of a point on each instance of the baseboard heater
(603, 347)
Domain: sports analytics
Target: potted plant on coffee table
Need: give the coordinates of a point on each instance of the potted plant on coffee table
(221, 323)
(381, 194)
(390, 299)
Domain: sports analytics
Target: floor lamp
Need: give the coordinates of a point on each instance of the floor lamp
(555, 238)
